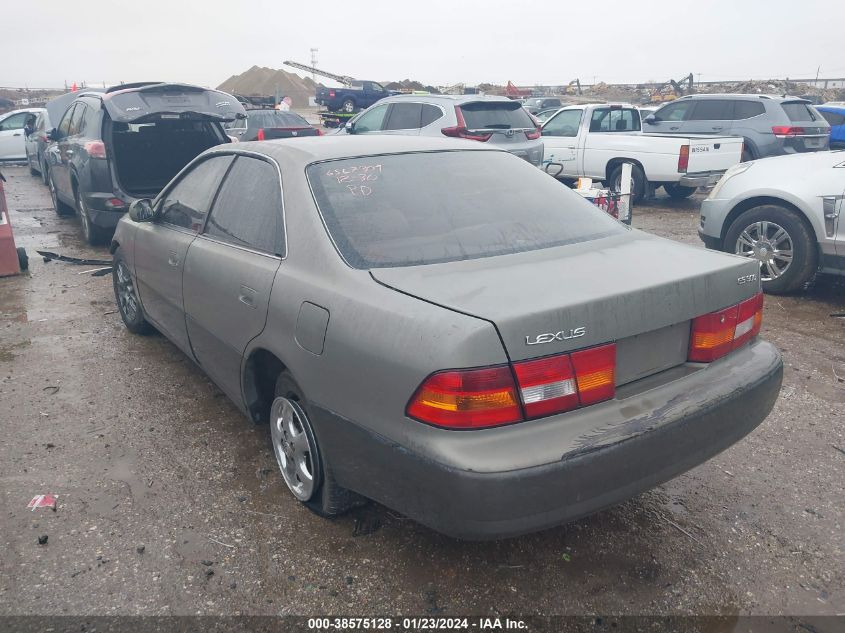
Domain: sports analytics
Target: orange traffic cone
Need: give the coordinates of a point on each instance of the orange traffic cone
(12, 259)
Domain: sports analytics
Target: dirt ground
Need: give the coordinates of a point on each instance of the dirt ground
(170, 503)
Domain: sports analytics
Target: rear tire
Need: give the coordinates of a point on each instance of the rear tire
(770, 226)
(348, 106)
(60, 207)
(94, 235)
(23, 258)
(638, 182)
(126, 297)
(322, 495)
(679, 192)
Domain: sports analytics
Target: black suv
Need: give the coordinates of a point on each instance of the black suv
(112, 148)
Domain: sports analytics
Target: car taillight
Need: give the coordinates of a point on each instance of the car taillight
(319, 131)
(683, 159)
(331, 94)
(478, 398)
(95, 149)
(595, 371)
(115, 203)
(466, 399)
(547, 385)
(460, 130)
(787, 130)
(260, 135)
(532, 135)
(714, 335)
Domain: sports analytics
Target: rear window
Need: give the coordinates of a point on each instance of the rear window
(800, 112)
(432, 207)
(275, 118)
(499, 115)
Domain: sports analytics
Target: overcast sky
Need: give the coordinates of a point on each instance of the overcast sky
(436, 42)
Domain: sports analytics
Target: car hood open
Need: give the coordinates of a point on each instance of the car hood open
(184, 101)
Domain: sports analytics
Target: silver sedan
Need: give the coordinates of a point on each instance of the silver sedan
(441, 327)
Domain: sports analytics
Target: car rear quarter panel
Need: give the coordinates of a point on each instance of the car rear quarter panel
(379, 344)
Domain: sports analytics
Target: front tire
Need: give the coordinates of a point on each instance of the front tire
(679, 192)
(778, 238)
(303, 465)
(126, 297)
(638, 182)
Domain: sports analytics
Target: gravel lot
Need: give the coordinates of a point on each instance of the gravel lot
(170, 502)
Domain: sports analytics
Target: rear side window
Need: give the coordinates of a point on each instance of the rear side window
(430, 207)
(713, 110)
(833, 118)
(496, 115)
(674, 111)
(187, 203)
(800, 112)
(404, 116)
(64, 126)
(430, 114)
(614, 120)
(248, 209)
(747, 109)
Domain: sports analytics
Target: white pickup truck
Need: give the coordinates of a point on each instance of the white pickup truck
(595, 140)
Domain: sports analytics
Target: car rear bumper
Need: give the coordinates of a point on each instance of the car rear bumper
(633, 444)
(701, 179)
(102, 212)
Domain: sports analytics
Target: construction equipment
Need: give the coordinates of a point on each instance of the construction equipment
(569, 90)
(514, 93)
(671, 89)
(346, 80)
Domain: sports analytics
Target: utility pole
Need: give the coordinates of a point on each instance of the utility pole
(816, 84)
(314, 62)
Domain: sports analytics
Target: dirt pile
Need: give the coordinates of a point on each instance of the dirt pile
(270, 81)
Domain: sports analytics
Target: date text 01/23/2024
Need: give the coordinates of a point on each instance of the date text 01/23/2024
(415, 624)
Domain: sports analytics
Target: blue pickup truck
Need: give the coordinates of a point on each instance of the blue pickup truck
(357, 96)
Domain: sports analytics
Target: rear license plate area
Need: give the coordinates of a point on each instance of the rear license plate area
(651, 352)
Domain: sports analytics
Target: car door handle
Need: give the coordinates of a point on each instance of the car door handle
(675, 128)
(717, 128)
(248, 297)
(173, 260)
(16, 134)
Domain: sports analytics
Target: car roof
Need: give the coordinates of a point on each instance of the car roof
(838, 109)
(450, 98)
(19, 110)
(300, 152)
(730, 95)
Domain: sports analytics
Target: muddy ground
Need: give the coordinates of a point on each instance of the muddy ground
(170, 503)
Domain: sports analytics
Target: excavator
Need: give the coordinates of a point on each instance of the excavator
(671, 90)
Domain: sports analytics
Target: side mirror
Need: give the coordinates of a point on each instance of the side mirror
(651, 119)
(349, 126)
(53, 134)
(141, 210)
(554, 169)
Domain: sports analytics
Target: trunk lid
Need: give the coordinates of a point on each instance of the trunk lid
(162, 100)
(506, 124)
(638, 290)
(713, 153)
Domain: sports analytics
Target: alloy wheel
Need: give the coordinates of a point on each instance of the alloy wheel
(294, 451)
(83, 216)
(770, 244)
(128, 302)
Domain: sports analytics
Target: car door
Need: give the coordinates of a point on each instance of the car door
(161, 245)
(59, 159)
(230, 267)
(370, 121)
(403, 118)
(12, 136)
(560, 140)
(670, 119)
(710, 116)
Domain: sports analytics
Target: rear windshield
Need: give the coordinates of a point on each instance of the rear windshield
(800, 112)
(432, 207)
(499, 115)
(275, 118)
